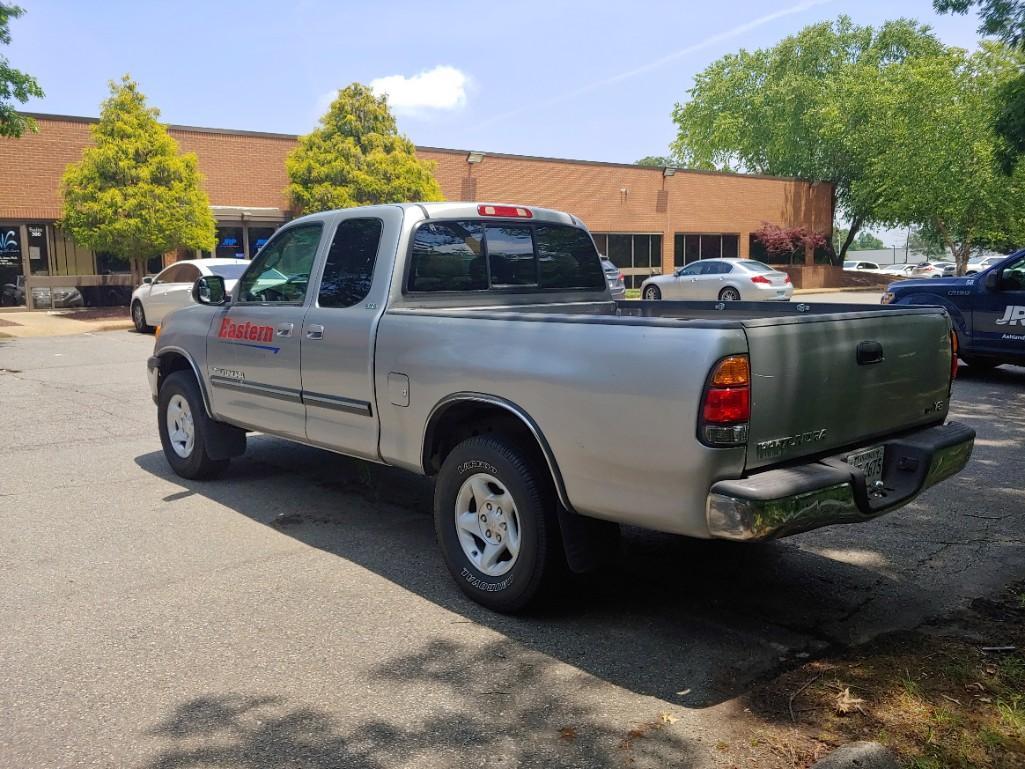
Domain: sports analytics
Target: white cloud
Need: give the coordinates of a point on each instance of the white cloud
(441, 88)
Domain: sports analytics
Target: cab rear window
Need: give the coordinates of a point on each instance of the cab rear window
(477, 256)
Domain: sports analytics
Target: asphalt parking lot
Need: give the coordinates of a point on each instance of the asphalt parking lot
(295, 613)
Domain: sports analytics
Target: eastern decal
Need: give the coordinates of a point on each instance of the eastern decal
(1013, 315)
(230, 330)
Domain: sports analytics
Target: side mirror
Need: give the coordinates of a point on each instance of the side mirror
(209, 289)
(992, 281)
(147, 280)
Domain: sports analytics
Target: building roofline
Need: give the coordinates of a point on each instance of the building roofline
(450, 151)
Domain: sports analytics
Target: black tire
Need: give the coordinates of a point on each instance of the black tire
(729, 294)
(652, 293)
(139, 318)
(980, 364)
(197, 465)
(540, 552)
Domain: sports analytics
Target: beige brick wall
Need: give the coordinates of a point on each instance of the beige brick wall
(247, 169)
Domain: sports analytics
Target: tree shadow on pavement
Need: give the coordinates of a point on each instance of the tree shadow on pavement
(501, 710)
(690, 622)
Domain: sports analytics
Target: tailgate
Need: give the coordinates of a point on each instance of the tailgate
(812, 392)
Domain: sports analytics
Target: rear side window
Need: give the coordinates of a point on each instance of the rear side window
(476, 256)
(349, 269)
(449, 256)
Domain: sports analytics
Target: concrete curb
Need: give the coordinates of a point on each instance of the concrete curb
(859, 755)
(837, 290)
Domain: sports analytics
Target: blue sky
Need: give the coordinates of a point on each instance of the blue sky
(581, 80)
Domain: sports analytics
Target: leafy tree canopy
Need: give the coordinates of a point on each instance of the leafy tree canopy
(866, 241)
(357, 157)
(770, 110)
(132, 194)
(1004, 19)
(930, 153)
(15, 85)
(658, 161)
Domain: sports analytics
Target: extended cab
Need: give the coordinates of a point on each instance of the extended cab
(480, 344)
(987, 309)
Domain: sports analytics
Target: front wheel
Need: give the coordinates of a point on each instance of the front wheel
(652, 293)
(729, 294)
(184, 428)
(494, 515)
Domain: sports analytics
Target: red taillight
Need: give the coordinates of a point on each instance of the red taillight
(621, 275)
(786, 279)
(953, 356)
(761, 279)
(516, 212)
(726, 407)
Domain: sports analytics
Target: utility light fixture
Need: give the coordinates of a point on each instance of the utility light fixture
(474, 157)
(668, 171)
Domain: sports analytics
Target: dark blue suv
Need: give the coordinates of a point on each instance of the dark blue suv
(987, 309)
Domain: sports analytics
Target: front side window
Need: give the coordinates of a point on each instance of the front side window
(281, 271)
(349, 269)
(691, 270)
(1012, 276)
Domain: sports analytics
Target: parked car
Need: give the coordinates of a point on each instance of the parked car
(13, 294)
(724, 280)
(471, 342)
(62, 297)
(899, 270)
(979, 264)
(615, 278)
(987, 309)
(934, 270)
(856, 265)
(172, 288)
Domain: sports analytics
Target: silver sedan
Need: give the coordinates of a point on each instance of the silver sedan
(727, 280)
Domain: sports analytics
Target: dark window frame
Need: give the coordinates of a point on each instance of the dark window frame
(501, 289)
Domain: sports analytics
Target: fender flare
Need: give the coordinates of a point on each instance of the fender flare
(958, 321)
(178, 351)
(503, 403)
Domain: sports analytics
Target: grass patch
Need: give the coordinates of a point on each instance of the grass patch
(633, 293)
(937, 699)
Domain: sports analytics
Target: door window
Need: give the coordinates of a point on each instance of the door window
(691, 270)
(349, 269)
(1012, 277)
(281, 271)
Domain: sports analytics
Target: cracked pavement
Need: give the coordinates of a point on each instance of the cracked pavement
(296, 612)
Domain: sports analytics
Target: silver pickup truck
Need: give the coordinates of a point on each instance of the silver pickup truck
(479, 344)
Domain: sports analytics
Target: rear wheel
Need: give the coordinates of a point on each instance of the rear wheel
(184, 428)
(652, 293)
(729, 294)
(139, 318)
(494, 515)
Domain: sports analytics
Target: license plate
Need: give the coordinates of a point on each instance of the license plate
(870, 462)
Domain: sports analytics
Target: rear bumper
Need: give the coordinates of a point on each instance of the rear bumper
(787, 501)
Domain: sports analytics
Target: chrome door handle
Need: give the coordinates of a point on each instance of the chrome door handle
(314, 331)
(285, 329)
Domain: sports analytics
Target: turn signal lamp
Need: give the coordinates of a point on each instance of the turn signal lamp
(726, 403)
(953, 356)
(156, 333)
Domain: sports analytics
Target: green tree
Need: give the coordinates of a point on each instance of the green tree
(866, 241)
(15, 85)
(357, 157)
(767, 111)
(1004, 19)
(132, 194)
(932, 153)
(924, 240)
(655, 161)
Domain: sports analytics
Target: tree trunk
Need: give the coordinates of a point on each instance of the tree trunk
(856, 223)
(959, 251)
(138, 268)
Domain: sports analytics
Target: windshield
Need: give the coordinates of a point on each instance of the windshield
(848, 264)
(229, 271)
(754, 266)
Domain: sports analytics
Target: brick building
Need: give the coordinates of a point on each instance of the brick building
(647, 220)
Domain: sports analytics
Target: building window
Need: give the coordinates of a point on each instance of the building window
(638, 256)
(258, 237)
(230, 244)
(689, 247)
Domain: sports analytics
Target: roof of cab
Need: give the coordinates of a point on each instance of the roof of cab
(459, 209)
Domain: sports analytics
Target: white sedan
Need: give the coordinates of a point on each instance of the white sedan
(172, 288)
(727, 280)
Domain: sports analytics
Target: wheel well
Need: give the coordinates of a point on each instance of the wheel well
(453, 423)
(170, 362)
